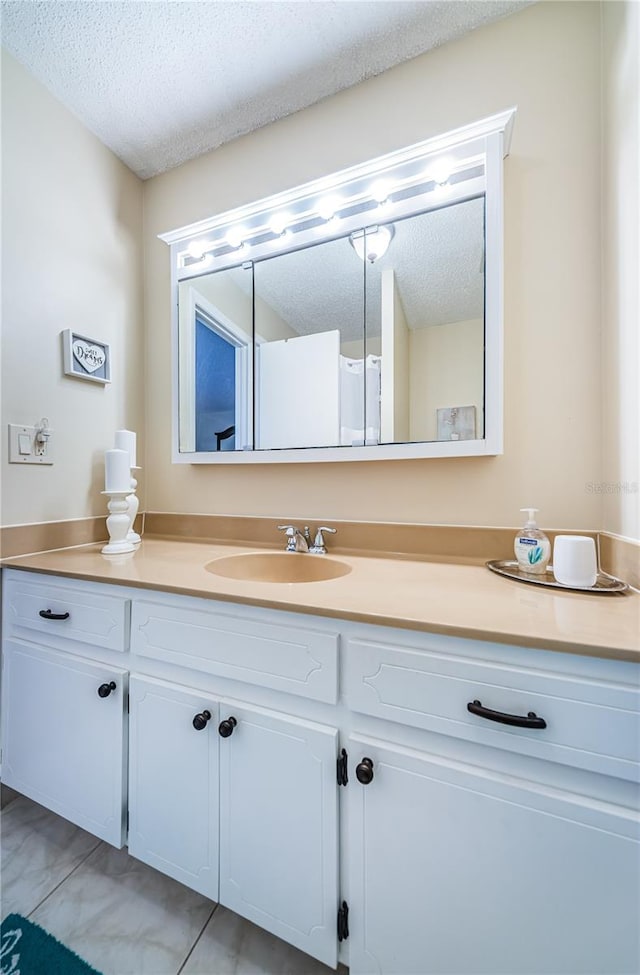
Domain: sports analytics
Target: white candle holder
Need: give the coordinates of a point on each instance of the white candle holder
(133, 503)
(118, 524)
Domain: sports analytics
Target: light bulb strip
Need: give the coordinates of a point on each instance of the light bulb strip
(468, 140)
(323, 231)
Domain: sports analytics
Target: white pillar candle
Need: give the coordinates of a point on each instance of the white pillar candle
(117, 471)
(126, 440)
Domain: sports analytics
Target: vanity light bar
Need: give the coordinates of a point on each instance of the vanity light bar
(466, 140)
(316, 213)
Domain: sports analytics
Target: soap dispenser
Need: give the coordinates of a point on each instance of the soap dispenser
(532, 547)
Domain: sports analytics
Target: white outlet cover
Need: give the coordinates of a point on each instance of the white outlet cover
(16, 431)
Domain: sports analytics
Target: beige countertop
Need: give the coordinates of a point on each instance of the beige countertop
(456, 599)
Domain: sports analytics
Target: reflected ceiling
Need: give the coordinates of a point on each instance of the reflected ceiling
(438, 258)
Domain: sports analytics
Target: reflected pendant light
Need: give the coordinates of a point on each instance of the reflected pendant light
(371, 244)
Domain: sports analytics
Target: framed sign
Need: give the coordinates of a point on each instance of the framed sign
(86, 358)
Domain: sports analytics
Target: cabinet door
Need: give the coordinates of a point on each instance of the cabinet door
(457, 869)
(278, 827)
(63, 741)
(173, 782)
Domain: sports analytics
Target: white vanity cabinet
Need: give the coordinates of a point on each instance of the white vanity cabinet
(459, 844)
(276, 805)
(499, 862)
(64, 735)
(64, 694)
(265, 784)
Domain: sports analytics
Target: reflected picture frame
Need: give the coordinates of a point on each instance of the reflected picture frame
(86, 358)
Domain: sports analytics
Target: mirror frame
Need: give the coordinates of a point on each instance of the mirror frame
(202, 248)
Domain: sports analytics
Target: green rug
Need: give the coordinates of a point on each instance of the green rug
(26, 949)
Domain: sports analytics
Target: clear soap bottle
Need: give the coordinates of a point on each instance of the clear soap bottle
(531, 546)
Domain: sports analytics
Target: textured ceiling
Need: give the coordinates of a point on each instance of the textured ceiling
(161, 82)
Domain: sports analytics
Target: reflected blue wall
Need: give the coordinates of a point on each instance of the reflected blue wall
(215, 388)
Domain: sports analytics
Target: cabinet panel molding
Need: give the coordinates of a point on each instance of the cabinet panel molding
(288, 658)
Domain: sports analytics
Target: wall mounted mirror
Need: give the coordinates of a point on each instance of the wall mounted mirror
(356, 320)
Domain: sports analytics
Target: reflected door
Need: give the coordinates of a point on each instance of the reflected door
(309, 320)
(215, 390)
(298, 392)
(216, 361)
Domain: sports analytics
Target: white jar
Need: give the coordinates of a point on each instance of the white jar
(575, 561)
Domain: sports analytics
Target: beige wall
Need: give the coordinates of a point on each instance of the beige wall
(620, 478)
(545, 60)
(71, 258)
(446, 370)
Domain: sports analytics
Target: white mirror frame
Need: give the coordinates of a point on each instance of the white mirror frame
(485, 143)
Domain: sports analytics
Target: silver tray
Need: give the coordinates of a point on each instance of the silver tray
(511, 569)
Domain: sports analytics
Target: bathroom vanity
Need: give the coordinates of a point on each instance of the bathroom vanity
(341, 783)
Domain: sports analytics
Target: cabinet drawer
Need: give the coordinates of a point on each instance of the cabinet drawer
(590, 723)
(283, 657)
(86, 614)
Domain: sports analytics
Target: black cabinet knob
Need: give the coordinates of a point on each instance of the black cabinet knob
(225, 728)
(364, 771)
(105, 689)
(200, 721)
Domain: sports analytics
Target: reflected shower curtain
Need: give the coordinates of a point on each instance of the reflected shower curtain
(359, 401)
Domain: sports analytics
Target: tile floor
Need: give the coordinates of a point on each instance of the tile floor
(123, 917)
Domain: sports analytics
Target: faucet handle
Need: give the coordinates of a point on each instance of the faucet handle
(296, 540)
(318, 547)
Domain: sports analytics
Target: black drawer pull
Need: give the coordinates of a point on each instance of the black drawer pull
(46, 614)
(517, 720)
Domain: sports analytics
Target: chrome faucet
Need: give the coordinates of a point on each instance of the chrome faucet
(297, 541)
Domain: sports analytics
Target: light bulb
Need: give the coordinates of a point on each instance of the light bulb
(380, 191)
(198, 248)
(439, 172)
(235, 237)
(279, 223)
(328, 207)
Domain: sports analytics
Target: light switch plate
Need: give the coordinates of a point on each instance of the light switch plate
(21, 437)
